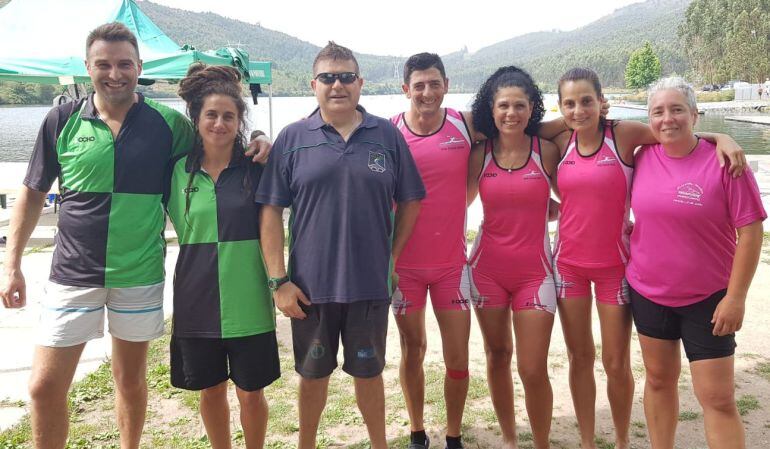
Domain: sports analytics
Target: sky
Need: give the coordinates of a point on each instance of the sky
(406, 27)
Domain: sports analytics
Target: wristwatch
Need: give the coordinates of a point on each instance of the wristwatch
(274, 283)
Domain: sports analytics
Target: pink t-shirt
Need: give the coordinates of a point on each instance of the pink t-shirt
(513, 238)
(438, 237)
(595, 206)
(686, 211)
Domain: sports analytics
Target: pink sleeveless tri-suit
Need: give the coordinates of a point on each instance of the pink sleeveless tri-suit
(592, 242)
(511, 258)
(434, 257)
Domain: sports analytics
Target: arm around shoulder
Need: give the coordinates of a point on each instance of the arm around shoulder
(550, 156)
(475, 165)
(629, 135)
(475, 135)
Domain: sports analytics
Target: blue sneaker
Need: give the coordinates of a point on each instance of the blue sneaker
(420, 446)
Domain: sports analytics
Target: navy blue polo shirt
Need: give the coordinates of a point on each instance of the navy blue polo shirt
(341, 196)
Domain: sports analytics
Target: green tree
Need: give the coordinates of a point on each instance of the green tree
(727, 39)
(643, 67)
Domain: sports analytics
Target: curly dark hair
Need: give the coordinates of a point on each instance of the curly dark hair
(200, 82)
(509, 76)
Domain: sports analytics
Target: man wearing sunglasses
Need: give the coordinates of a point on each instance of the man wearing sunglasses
(340, 170)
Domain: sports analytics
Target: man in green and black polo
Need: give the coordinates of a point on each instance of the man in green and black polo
(110, 152)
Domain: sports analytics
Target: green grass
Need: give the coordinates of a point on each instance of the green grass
(746, 404)
(688, 416)
(18, 436)
(763, 369)
(33, 250)
(601, 443)
(11, 403)
(525, 437)
(721, 95)
(95, 386)
(93, 425)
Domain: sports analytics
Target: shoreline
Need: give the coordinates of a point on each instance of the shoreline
(714, 107)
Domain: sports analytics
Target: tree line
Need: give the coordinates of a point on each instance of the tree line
(727, 39)
(711, 41)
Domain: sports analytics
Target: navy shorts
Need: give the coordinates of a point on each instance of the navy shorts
(692, 324)
(199, 363)
(363, 328)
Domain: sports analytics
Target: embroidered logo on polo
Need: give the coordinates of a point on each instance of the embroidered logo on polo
(452, 144)
(689, 193)
(377, 162)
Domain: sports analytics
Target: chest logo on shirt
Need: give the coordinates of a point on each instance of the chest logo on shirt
(452, 144)
(533, 174)
(689, 193)
(606, 160)
(376, 162)
(190, 190)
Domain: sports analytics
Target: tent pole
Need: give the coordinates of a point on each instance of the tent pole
(270, 108)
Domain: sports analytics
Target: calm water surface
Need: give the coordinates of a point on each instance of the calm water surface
(19, 125)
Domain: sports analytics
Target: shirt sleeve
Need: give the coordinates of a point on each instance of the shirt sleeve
(182, 135)
(409, 184)
(44, 166)
(168, 179)
(743, 198)
(274, 187)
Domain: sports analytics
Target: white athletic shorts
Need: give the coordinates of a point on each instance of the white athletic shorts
(71, 315)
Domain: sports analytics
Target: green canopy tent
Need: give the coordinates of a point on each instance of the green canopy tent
(44, 42)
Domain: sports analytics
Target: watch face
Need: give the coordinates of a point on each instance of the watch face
(274, 283)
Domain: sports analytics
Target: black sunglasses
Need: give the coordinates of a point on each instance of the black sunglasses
(331, 78)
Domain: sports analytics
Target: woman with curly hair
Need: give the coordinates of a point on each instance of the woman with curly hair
(223, 322)
(510, 263)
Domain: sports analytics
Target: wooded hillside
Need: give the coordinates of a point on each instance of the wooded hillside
(604, 45)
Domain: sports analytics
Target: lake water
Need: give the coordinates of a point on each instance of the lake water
(19, 125)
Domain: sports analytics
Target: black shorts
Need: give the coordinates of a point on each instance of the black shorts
(692, 324)
(251, 362)
(363, 327)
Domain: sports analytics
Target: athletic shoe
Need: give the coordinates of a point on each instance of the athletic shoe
(420, 446)
(461, 446)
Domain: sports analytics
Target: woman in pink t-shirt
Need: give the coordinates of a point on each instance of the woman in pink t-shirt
(592, 247)
(688, 277)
